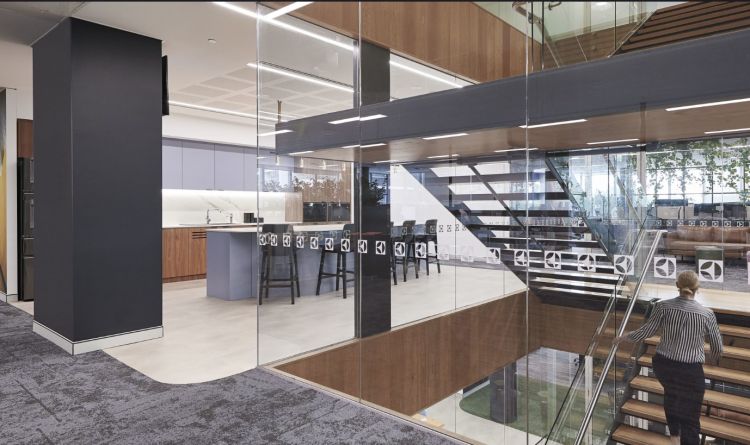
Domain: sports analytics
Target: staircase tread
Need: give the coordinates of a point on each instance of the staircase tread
(714, 398)
(688, 9)
(701, 32)
(646, 34)
(711, 372)
(605, 286)
(630, 435)
(669, 24)
(573, 291)
(709, 425)
(729, 351)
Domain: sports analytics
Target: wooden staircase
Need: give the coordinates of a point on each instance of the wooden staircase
(726, 415)
(686, 21)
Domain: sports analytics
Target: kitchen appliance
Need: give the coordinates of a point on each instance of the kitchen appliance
(26, 229)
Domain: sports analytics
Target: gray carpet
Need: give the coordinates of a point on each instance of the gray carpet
(49, 397)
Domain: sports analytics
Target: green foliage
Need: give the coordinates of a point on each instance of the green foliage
(712, 161)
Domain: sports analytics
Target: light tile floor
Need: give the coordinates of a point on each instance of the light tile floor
(206, 338)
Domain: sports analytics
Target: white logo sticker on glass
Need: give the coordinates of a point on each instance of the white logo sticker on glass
(379, 247)
(711, 270)
(329, 244)
(520, 257)
(399, 249)
(274, 239)
(624, 264)
(286, 240)
(494, 255)
(314, 242)
(262, 239)
(665, 267)
(552, 260)
(362, 246)
(300, 241)
(420, 250)
(586, 262)
(346, 245)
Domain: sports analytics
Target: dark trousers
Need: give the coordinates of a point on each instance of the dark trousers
(684, 385)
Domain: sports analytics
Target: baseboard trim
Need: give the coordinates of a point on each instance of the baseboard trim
(96, 344)
(5, 298)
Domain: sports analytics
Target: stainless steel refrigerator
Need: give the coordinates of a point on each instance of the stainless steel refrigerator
(26, 229)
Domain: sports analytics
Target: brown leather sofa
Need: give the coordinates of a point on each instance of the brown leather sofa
(735, 241)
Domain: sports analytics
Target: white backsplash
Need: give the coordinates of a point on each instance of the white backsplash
(190, 206)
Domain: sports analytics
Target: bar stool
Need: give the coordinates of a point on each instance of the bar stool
(430, 235)
(341, 272)
(407, 237)
(270, 254)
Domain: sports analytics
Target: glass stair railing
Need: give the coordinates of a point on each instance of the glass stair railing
(590, 411)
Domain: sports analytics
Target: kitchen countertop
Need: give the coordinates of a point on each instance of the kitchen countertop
(297, 228)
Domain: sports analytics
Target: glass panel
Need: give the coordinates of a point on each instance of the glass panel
(305, 261)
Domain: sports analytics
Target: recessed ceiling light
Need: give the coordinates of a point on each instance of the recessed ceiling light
(309, 79)
(271, 133)
(709, 104)
(551, 124)
(515, 149)
(441, 156)
(425, 74)
(445, 136)
(300, 152)
(735, 130)
(358, 118)
(611, 142)
(351, 146)
(212, 41)
(283, 25)
(286, 10)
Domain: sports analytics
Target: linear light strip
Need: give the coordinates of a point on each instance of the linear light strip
(552, 124)
(357, 118)
(277, 23)
(515, 149)
(709, 104)
(611, 142)
(425, 74)
(441, 156)
(735, 130)
(301, 77)
(221, 111)
(272, 133)
(372, 145)
(300, 152)
(389, 161)
(286, 10)
(445, 136)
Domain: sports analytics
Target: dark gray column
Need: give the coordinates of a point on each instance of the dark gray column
(97, 133)
(373, 302)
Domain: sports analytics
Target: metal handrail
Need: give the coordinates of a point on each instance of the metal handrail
(611, 356)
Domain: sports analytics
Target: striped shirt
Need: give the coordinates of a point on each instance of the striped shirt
(685, 325)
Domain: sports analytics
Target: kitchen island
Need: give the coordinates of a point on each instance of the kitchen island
(233, 261)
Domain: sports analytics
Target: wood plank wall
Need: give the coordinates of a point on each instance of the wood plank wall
(413, 367)
(458, 37)
(25, 129)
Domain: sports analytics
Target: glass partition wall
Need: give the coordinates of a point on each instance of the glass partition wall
(392, 251)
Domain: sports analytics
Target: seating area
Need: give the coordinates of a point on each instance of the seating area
(734, 241)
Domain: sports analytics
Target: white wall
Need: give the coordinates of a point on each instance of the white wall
(16, 72)
(189, 206)
(188, 125)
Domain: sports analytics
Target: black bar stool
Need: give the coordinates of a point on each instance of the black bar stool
(270, 259)
(409, 258)
(342, 273)
(430, 235)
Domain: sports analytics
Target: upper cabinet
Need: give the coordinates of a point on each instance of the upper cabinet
(229, 168)
(203, 166)
(197, 166)
(171, 165)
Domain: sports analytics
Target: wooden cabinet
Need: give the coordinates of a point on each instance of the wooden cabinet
(175, 253)
(183, 253)
(197, 252)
